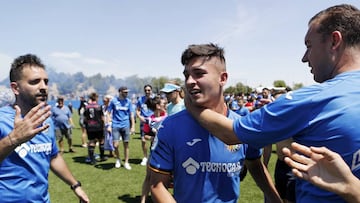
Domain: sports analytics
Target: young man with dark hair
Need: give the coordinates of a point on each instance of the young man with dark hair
(204, 168)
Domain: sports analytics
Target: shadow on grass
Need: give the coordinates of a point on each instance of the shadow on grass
(134, 161)
(77, 145)
(105, 166)
(99, 165)
(79, 159)
(128, 199)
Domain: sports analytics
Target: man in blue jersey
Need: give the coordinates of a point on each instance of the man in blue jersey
(324, 114)
(27, 140)
(120, 108)
(204, 169)
(143, 113)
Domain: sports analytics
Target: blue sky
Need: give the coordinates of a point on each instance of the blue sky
(263, 40)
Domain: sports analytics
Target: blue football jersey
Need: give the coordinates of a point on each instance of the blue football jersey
(24, 173)
(204, 168)
(324, 114)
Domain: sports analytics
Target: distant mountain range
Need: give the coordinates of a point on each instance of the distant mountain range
(74, 85)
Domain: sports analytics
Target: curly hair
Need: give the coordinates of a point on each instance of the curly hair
(22, 61)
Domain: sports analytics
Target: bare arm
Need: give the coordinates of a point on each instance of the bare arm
(325, 169)
(109, 120)
(71, 122)
(263, 179)
(24, 128)
(132, 120)
(59, 167)
(138, 114)
(218, 124)
(158, 185)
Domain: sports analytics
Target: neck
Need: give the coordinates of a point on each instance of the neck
(349, 61)
(25, 108)
(221, 108)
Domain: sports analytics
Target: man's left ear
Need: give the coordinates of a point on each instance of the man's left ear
(336, 39)
(223, 78)
(14, 87)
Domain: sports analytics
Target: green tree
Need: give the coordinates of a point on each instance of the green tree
(297, 86)
(279, 83)
(239, 87)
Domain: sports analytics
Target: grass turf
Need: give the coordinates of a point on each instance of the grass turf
(106, 184)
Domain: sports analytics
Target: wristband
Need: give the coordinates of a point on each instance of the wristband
(76, 185)
(11, 141)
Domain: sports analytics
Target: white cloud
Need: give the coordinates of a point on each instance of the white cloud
(66, 55)
(94, 61)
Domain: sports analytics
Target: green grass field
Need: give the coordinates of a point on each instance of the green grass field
(106, 184)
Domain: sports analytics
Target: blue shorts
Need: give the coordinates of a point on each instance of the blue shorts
(121, 134)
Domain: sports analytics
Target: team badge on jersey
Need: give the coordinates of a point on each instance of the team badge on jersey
(233, 148)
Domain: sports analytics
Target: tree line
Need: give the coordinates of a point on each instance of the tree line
(67, 83)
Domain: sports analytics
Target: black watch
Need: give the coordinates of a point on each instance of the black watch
(76, 185)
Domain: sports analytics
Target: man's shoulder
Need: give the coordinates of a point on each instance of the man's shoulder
(7, 109)
(181, 121)
(6, 114)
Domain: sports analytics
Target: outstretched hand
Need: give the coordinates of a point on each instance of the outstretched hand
(320, 166)
(32, 123)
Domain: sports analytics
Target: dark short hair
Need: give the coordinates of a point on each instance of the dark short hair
(22, 61)
(122, 88)
(93, 96)
(147, 85)
(344, 18)
(206, 50)
(151, 102)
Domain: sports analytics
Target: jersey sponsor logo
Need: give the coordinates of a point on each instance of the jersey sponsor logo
(24, 149)
(191, 166)
(193, 142)
(356, 160)
(144, 107)
(122, 108)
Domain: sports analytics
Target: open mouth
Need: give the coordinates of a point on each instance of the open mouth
(194, 91)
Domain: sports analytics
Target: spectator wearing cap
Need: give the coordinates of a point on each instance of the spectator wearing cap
(122, 114)
(63, 122)
(174, 94)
